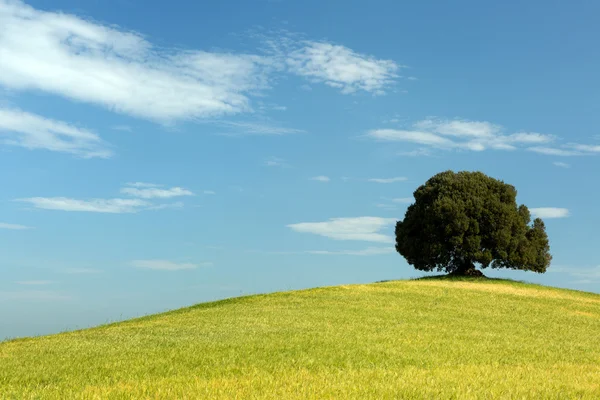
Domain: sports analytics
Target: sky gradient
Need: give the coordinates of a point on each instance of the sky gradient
(155, 155)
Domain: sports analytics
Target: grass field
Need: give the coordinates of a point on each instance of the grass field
(430, 338)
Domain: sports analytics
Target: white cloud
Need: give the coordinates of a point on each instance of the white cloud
(19, 128)
(549, 212)
(276, 162)
(590, 273)
(561, 164)
(85, 61)
(586, 148)
(209, 192)
(530, 138)
(369, 251)
(115, 206)
(165, 265)
(425, 138)
(35, 283)
(422, 152)
(320, 178)
(388, 180)
(359, 228)
(143, 191)
(143, 185)
(570, 149)
(237, 128)
(552, 151)
(342, 68)
(458, 135)
(155, 192)
(14, 227)
(459, 128)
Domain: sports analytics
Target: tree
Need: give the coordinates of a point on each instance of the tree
(460, 219)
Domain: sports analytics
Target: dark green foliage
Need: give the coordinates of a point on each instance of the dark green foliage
(459, 219)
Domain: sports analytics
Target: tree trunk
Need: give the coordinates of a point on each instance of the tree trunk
(467, 268)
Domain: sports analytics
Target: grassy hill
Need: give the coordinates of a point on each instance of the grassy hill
(429, 338)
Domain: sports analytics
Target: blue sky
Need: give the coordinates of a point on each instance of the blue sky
(155, 154)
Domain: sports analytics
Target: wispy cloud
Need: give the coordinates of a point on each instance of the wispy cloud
(14, 227)
(156, 192)
(586, 274)
(419, 137)
(320, 178)
(568, 150)
(120, 70)
(369, 251)
(421, 152)
(141, 190)
(549, 212)
(276, 162)
(166, 265)
(342, 68)
(562, 164)
(35, 283)
(403, 200)
(209, 192)
(143, 185)
(388, 180)
(359, 228)
(585, 148)
(553, 151)
(263, 128)
(19, 128)
(385, 206)
(113, 206)
(460, 134)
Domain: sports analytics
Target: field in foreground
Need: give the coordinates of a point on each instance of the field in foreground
(430, 338)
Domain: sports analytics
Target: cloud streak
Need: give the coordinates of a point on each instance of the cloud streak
(14, 227)
(549, 212)
(165, 265)
(460, 134)
(369, 251)
(111, 206)
(359, 228)
(388, 180)
(155, 192)
(34, 132)
(143, 192)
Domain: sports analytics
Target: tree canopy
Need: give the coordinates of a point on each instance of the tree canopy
(467, 218)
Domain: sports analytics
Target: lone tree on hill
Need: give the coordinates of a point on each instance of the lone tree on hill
(459, 219)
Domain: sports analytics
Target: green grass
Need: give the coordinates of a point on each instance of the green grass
(429, 338)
